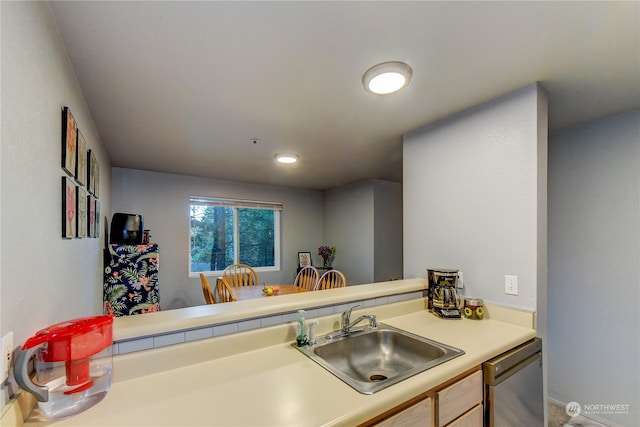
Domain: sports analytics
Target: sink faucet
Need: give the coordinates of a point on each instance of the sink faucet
(347, 324)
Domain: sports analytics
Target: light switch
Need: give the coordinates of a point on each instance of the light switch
(511, 285)
(7, 354)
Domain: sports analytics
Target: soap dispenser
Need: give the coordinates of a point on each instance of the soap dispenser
(301, 339)
(311, 340)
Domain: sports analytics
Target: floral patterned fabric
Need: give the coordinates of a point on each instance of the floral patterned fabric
(131, 279)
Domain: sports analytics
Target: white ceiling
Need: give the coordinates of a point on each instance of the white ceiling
(183, 87)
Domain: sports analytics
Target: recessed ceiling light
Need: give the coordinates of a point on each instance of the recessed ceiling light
(386, 78)
(287, 158)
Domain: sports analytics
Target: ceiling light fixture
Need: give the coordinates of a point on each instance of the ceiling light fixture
(386, 78)
(287, 158)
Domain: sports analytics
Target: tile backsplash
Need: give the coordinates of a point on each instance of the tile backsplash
(215, 330)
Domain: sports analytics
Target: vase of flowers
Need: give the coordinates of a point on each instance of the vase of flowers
(328, 254)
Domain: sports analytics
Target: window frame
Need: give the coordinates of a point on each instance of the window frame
(236, 204)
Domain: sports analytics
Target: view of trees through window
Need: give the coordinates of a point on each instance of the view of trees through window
(222, 235)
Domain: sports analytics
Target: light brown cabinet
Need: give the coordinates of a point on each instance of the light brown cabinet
(456, 403)
(416, 415)
(471, 418)
(458, 398)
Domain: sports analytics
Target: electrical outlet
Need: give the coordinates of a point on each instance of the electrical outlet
(511, 285)
(7, 354)
(460, 283)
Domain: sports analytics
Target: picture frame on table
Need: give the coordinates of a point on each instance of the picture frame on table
(81, 198)
(69, 142)
(304, 259)
(69, 209)
(81, 164)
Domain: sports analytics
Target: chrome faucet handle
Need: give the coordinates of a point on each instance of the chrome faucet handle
(346, 316)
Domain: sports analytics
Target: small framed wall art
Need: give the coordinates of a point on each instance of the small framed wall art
(96, 220)
(304, 259)
(91, 215)
(96, 178)
(90, 160)
(93, 174)
(81, 165)
(81, 203)
(69, 142)
(69, 214)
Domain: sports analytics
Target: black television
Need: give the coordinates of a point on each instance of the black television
(126, 229)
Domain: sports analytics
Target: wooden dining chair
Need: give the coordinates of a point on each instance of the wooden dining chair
(240, 275)
(206, 290)
(225, 293)
(332, 279)
(307, 278)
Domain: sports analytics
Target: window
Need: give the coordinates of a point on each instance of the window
(227, 231)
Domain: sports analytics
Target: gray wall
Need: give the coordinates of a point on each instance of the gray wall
(44, 278)
(364, 221)
(348, 225)
(387, 230)
(475, 192)
(594, 265)
(163, 200)
(471, 189)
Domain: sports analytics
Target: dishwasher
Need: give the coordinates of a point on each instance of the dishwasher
(513, 390)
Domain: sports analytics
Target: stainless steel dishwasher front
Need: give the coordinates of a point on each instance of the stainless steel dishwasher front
(513, 389)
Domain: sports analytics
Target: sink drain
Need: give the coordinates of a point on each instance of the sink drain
(377, 377)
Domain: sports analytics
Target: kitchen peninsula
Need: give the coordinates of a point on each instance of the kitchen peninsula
(256, 377)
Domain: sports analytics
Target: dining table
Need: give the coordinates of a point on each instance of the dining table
(253, 292)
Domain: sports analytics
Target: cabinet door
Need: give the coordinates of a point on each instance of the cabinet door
(459, 397)
(416, 415)
(472, 418)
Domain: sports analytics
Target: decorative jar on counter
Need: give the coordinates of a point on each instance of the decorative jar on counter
(473, 308)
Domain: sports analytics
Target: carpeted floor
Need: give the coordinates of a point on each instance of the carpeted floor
(558, 418)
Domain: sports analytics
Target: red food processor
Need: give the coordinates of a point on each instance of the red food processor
(73, 363)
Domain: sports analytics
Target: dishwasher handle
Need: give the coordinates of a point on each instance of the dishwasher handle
(511, 361)
(491, 379)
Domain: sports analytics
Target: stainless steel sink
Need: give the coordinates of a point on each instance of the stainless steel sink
(376, 358)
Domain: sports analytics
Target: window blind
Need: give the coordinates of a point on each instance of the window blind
(235, 203)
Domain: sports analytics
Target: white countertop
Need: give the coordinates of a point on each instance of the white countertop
(129, 327)
(276, 385)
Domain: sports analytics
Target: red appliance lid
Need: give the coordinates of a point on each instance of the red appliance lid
(74, 339)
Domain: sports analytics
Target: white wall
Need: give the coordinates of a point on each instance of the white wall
(44, 279)
(594, 265)
(163, 200)
(471, 191)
